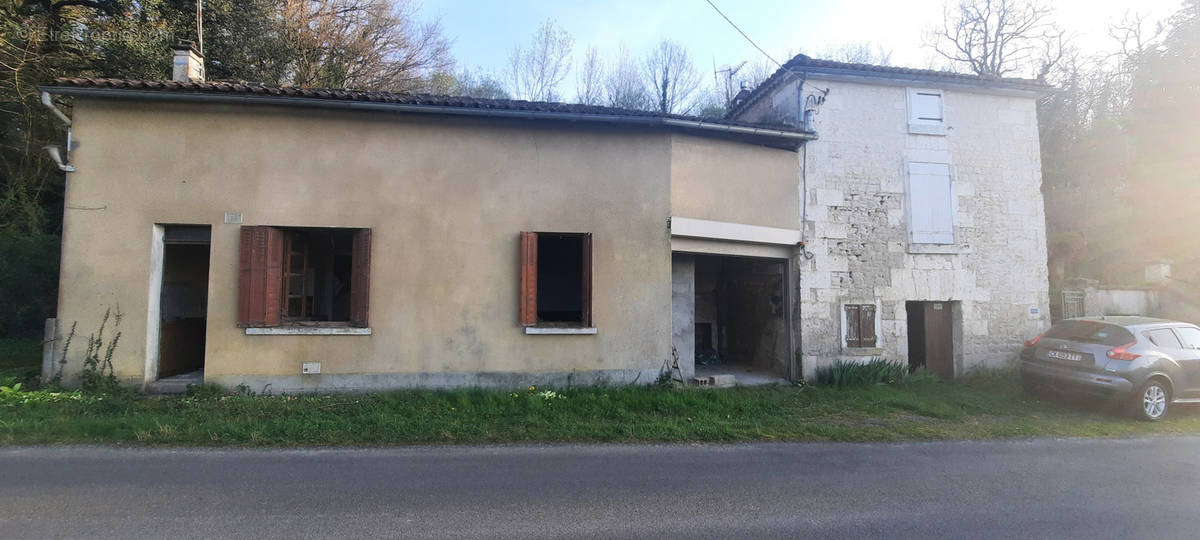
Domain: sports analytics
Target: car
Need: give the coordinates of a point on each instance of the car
(1151, 363)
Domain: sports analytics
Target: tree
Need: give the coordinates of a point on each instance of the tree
(589, 89)
(623, 84)
(999, 37)
(478, 84)
(862, 52)
(376, 44)
(535, 72)
(671, 77)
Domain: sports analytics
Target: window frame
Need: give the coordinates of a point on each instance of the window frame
(852, 325)
(262, 298)
(926, 126)
(1179, 335)
(528, 286)
(911, 205)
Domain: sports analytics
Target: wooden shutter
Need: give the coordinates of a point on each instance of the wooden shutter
(527, 296)
(926, 106)
(586, 286)
(866, 325)
(930, 204)
(260, 276)
(853, 315)
(360, 278)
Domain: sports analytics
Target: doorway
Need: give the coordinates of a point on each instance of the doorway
(183, 302)
(740, 319)
(931, 337)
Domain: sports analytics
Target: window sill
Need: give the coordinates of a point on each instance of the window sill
(309, 331)
(951, 249)
(927, 129)
(862, 351)
(552, 330)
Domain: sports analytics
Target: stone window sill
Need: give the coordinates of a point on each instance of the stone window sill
(927, 129)
(559, 330)
(309, 331)
(862, 351)
(950, 249)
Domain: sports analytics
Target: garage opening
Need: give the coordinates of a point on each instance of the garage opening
(740, 321)
(931, 337)
(183, 303)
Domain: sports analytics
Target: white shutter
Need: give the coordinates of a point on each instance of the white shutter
(925, 106)
(930, 204)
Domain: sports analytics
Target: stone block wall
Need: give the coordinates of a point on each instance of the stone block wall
(857, 226)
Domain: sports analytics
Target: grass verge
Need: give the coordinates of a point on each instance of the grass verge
(986, 407)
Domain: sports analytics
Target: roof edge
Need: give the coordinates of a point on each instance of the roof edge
(766, 133)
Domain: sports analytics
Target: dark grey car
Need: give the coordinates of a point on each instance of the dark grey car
(1150, 362)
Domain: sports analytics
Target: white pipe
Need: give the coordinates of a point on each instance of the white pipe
(50, 105)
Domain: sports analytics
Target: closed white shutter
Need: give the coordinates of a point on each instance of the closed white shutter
(925, 107)
(931, 204)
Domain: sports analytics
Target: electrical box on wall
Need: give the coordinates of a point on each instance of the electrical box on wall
(310, 368)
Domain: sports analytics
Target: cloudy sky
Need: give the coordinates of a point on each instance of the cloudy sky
(485, 31)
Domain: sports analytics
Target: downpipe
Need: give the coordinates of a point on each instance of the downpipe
(61, 159)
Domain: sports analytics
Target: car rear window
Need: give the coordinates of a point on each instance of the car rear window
(1164, 338)
(1091, 332)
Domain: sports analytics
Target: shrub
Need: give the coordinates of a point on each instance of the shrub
(28, 283)
(875, 371)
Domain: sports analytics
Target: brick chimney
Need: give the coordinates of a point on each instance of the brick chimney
(188, 63)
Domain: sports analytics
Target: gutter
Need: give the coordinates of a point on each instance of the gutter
(795, 136)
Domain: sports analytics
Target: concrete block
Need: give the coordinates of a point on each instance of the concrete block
(722, 381)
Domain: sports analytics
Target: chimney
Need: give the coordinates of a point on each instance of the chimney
(188, 64)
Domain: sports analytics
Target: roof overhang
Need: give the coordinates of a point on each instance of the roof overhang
(778, 138)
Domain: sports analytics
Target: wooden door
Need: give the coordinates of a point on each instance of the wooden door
(939, 340)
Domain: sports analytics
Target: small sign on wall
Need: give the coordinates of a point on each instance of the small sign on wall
(233, 218)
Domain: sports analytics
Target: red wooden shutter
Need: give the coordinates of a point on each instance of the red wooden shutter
(360, 279)
(587, 279)
(527, 297)
(852, 318)
(260, 276)
(866, 325)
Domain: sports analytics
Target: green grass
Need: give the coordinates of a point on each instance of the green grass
(20, 358)
(986, 407)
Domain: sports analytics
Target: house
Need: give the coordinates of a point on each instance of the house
(923, 213)
(309, 240)
(304, 240)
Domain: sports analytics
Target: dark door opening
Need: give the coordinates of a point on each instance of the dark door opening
(740, 321)
(930, 337)
(183, 305)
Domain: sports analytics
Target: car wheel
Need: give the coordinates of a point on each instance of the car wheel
(1152, 401)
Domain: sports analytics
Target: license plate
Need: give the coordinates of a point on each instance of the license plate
(1064, 355)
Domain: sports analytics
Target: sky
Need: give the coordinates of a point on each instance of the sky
(485, 31)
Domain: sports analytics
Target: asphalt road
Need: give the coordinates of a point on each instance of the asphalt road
(1027, 489)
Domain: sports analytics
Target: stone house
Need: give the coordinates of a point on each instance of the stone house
(922, 212)
(310, 240)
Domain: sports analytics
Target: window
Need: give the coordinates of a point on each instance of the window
(860, 325)
(303, 276)
(925, 112)
(1164, 338)
(556, 279)
(1090, 331)
(930, 204)
(1189, 336)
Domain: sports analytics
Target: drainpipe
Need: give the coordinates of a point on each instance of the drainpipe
(62, 159)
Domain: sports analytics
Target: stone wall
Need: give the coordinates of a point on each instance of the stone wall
(857, 227)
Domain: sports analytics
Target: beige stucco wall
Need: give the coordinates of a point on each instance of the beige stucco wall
(445, 199)
(737, 183)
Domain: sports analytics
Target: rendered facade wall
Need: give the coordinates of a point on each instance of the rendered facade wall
(445, 199)
(857, 223)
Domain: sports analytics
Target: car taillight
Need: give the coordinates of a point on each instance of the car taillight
(1122, 353)
(1032, 342)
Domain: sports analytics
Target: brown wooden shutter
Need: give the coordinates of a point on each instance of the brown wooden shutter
(866, 325)
(852, 318)
(360, 278)
(260, 276)
(527, 296)
(587, 280)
